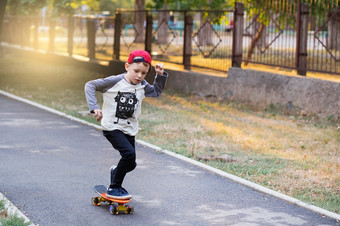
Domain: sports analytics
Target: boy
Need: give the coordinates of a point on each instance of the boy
(122, 99)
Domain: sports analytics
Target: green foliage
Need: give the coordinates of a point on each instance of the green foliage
(32, 7)
(2, 205)
(25, 7)
(189, 5)
(322, 7)
(13, 221)
(285, 11)
(217, 5)
(112, 5)
(61, 7)
(10, 220)
(65, 7)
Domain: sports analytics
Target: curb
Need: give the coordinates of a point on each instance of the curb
(194, 162)
(13, 210)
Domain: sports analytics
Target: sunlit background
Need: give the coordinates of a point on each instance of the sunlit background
(296, 154)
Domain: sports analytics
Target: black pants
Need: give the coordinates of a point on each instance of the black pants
(125, 144)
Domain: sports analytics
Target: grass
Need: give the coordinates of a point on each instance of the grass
(10, 219)
(292, 154)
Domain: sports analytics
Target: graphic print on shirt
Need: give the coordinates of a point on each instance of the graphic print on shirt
(126, 105)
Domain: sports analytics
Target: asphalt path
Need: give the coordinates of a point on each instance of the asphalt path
(49, 165)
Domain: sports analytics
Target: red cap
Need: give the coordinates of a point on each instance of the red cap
(139, 56)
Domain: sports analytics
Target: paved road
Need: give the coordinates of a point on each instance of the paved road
(49, 164)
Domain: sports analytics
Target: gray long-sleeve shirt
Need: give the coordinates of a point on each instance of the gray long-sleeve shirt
(122, 101)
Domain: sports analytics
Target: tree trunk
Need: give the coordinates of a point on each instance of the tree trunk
(262, 39)
(312, 21)
(163, 18)
(139, 20)
(2, 14)
(205, 34)
(13, 7)
(25, 32)
(51, 35)
(333, 41)
(254, 42)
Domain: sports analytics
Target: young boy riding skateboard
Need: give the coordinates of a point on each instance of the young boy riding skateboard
(122, 101)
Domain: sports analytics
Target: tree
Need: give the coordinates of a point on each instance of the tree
(112, 5)
(139, 20)
(2, 13)
(331, 8)
(325, 16)
(333, 28)
(62, 7)
(260, 14)
(25, 7)
(163, 18)
(19, 29)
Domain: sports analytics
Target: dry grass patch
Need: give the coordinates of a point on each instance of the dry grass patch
(285, 153)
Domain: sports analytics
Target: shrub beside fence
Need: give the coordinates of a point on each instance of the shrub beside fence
(306, 38)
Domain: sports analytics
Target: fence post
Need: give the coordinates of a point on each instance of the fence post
(187, 48)
(118, 29)
(22, 30)
(2, 15)
(237, 48)
(302, 37)
(148, 33)
(25, 31)
(70, 34)
(35, 33)
(91, 38)
(51, 35)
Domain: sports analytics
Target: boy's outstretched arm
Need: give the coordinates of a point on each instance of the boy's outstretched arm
(159, 69)
(157, 87)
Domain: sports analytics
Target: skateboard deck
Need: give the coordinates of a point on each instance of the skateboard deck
(116, 206)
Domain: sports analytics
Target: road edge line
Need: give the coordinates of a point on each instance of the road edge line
(12, 210)
(234, 178)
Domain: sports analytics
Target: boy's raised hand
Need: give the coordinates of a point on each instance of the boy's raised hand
(159, 69)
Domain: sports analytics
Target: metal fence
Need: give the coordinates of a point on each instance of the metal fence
(271, 40)
(324, 36)
(211, 42)
(280, 40)
(289, 33)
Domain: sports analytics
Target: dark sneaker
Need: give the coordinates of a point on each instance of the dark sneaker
(118, 193)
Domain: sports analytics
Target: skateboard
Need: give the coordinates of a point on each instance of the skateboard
(117, 206)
